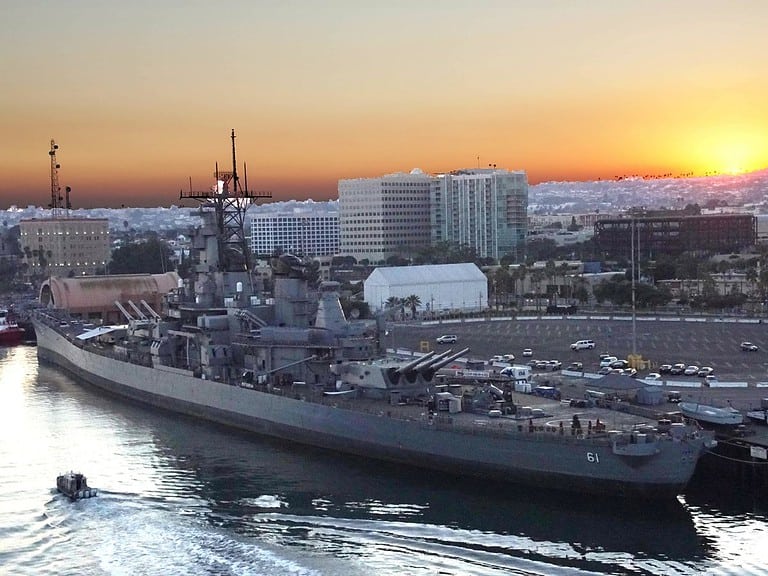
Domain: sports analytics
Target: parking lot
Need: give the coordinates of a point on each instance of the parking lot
(700, 343)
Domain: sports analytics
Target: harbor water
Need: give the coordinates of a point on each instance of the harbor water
(180, 496)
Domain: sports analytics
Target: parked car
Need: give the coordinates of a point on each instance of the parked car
(665, 368)
(447, 339)
(604, 370)
(527, 352)
(578, 366)
(509, 357)
(691, 370)
(496, 358)
(652, 377)
(620, 364)
(546, 392)
(677, 369)
(554, 365)
(749, 347)
(583, 345)
(607, 361)
(706, 371)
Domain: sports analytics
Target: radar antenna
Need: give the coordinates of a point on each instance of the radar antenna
(229, 201)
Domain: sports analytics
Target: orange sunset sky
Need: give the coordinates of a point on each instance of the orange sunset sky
(142, 95)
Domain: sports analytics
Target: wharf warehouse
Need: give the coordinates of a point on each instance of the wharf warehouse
(438, 286)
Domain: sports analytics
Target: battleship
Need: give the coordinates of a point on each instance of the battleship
(284, 361)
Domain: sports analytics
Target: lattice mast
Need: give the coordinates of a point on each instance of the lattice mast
(56, 198)
(230, 201)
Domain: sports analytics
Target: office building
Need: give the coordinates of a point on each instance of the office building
(300, 232)
(484, 209)
(65, 247)
(384, 216)
(673, 235)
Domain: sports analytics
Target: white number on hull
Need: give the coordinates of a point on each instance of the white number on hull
(593, 457)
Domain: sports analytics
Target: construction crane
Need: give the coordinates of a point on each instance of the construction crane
(56, 198)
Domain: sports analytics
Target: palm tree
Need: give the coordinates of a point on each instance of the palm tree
(539, 275)
(563, 270)
(521, 273)
(751, 277)
(581, 292)
(392, 304)
(501, 281)
(762, 282)
(413, 302)
(551, 271)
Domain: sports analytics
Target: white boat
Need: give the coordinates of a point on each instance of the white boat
(711, 414)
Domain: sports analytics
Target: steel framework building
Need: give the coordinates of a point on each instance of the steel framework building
(676, 234)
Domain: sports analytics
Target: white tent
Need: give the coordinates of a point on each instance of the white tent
(438, 286)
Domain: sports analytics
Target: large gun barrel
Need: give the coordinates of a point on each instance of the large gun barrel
(410, 365)
(430, 361)
(437, 365)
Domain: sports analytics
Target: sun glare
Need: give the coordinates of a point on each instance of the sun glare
(734, 153)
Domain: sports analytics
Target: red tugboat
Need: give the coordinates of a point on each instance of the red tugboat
(11, 333)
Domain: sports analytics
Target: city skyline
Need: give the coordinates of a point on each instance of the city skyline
(141, 97)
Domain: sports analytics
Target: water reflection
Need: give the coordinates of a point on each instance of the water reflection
(152, 466)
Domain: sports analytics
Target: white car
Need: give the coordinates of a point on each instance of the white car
(447, 339)
(509, 357)
(691, 370)
(652, 377)
(607, 361)
(677, 369)
(583, 345)
(706, 371)
(527, 352)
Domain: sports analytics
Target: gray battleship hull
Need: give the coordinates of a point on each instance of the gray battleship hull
(584, 464)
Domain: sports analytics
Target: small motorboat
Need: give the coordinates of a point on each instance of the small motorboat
(74, 485)
(711, 414)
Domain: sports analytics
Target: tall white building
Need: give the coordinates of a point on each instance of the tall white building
(300, 232)
(380, 216)
(483, 208)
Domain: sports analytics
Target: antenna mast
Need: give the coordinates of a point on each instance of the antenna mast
(56, 198)
(230, 202)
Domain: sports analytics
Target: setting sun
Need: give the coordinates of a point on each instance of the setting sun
(730, 151)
